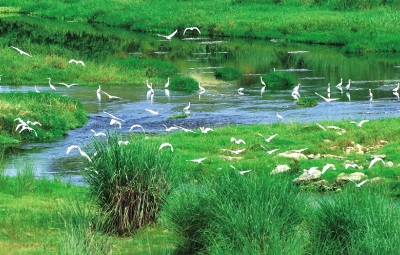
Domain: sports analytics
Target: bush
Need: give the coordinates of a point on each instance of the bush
(278, 80)
(184, 84)
(128, 181)
(307, 102)
(227, 73)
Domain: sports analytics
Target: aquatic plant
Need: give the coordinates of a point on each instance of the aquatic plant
(278, 80)
(151, 67)
(227, 73)
(307, 102)
(187, 84)
(178, 116)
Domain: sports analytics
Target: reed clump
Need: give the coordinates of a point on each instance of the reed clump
(187, 84)
(278, 80)
(307, 102)
(227, 73)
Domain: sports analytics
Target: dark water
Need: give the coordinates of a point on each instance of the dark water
(221, 104)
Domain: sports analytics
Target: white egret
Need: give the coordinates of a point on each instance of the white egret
(341, 90)
(348, 96)
(99, 93)
(205, 130)
(169, 129)
(111, 97)
(329, 88)
(267, 139)
(192, 28)
(112, 116)
(237, 141)
(375, 160)
(197, 160)
(348, 85)
(359, 124)
(327, 166)
(312, 169)
(187, 108)
(185, 129)
(351, 165)
(299, 151)
(123, 142)
(37, 91)
(166, 144)
(76, 62)
(327, 99)
(148, 85)
(113, 121)
(26, 127)
(319, 125)
(370, 96)
(394, 90)
(262, 90)
(279, 116)
(334, 127)
(294, 95)
(20, 51)
(166, 84)
(68, 86)
(340, 83)
(240, 172)
(33, 123)
(167, 92)
(262, 82)
(137, 125)
(153, 112)
(240, 89)
(234, 152)
(169, 36)
(80, 151)
(21, 125)
(201, 88)
(51, 86)
(269, 152)
(97, 134)
(359, 184)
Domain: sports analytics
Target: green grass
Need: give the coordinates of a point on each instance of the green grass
(56, 113)
(178, 116)
(278, 80)
(307, 102)
(227, 73)
(187, 84)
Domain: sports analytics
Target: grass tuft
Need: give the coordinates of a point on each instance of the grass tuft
(278, 80)
(187, 84)
(227, 73)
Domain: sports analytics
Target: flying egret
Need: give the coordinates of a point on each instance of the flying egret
(112, 116)
(205, 130)
(327, 99)
(279, 116)
(370, 96)
(80, 151)
(262, 82)
(26, 127)
(37, 91)
(327, 166)
(334, 127)
(99, 93)
(20, 51)
(269, 138)
(319, 125)
(351, 165)
(185, 129)
(169, 129)
(76, 62)
(237, 141)
(68, 86)
(21, 125)
(197, 160)
(97, 134)
(166, 144)
(299, 151)
(340, 83)
(166, 84)
(123, 142)
(240, 172)
(109, 96)
(348, 85)
(192, 28)
(33, 123)
(234, 152)
(169, 36)
(113, 121)
(359, 184)
(269, 152)
(153, 112)
(394, 90)
(240, 89)
(312, 169)
(187, 108)
(375, 160)
(51, 86)
(359, 124)
(137, 125)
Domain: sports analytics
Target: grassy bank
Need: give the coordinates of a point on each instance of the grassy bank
(56, 114)
(352, 24)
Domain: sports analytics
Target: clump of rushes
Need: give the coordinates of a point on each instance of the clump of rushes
(278, 80)
(184, 84)
(153, 68)
(227, 73)
(128, 181)
(178, 116)
(307, 102)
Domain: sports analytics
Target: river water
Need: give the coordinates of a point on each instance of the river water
(198, 57)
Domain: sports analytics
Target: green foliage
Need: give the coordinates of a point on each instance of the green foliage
(278, 80)
(307, 102)
(187, 84)
(178, 116)
(153, 68)
(227, 73)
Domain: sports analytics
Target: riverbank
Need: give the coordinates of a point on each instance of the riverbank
(350, 25)
(56, 115)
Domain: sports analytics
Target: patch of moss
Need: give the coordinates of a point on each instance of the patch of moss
(278, 80)
(184, 84)
(307, 102)
(227, 73)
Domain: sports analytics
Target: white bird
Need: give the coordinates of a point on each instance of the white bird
(68, 86)
(169, 129)
(262, 82)
(319, 125)
(192, 28)
(329, 88)
(370, 96)
(327, 166)
(123, 142)
(394, 90)
(187, 108)
(262, 90)
(299, 151)
(80, 151)
(97, 134)
(397, 95)
(26, 127)
(113, 121)
(21, 52)
(137, 125)
(348, 85)
(327, 99)
(341, 90)
(279, 116)
(99, 93)
(359, 124)
(167, 92)
(21, 125)
(240, 89)
(234, 152)
(76, 62)
(348, 96)
(359, 184)
(201, 88)
(340, 83)
(167, 84)
(112, 116)
(169, 36)
(197, 160)
(240, 172)
(111, 97)
(153, 112)
(166, 144)
(269, 138)
(294, 95)
(351, 165)
(375, 160)
(205, 130)
(150, 87)
(269, 152)
(312, 169)
(185, 129)
(237, 141)
(33, 123)
(51, 86)
(334, 127)
(37, 91)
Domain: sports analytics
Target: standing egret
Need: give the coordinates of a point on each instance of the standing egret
(348, 96)
(166, 84)
(80, 151)
(201, 88)
(348, 85)
(76, 62)
(97, 134)
(394, 90)
(98, 93)
(166, 144)
(279, 116)
(267, 139)
(359, 124)
(113, 121)
(397, 95)
(21, 52)
(187, 108)
(340, 83)
(192, 28)
(37, 91)
(370, 96)
(262, 82)
(167, 92)
(51, 86)
(294, 95)
(329, 88)
(169, 36)
(262, 90)
(137, 125)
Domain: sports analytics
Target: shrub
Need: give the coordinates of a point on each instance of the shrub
(307, 102)
(278, 80)
(227, 73)
(184, 84)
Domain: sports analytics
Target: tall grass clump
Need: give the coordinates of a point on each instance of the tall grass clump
(151, 67)
(227, 73)
(184, 84)
(237, 214)
(307, 102)
(278, 80)
(128, 181)
(25, 178)
(357, 221)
